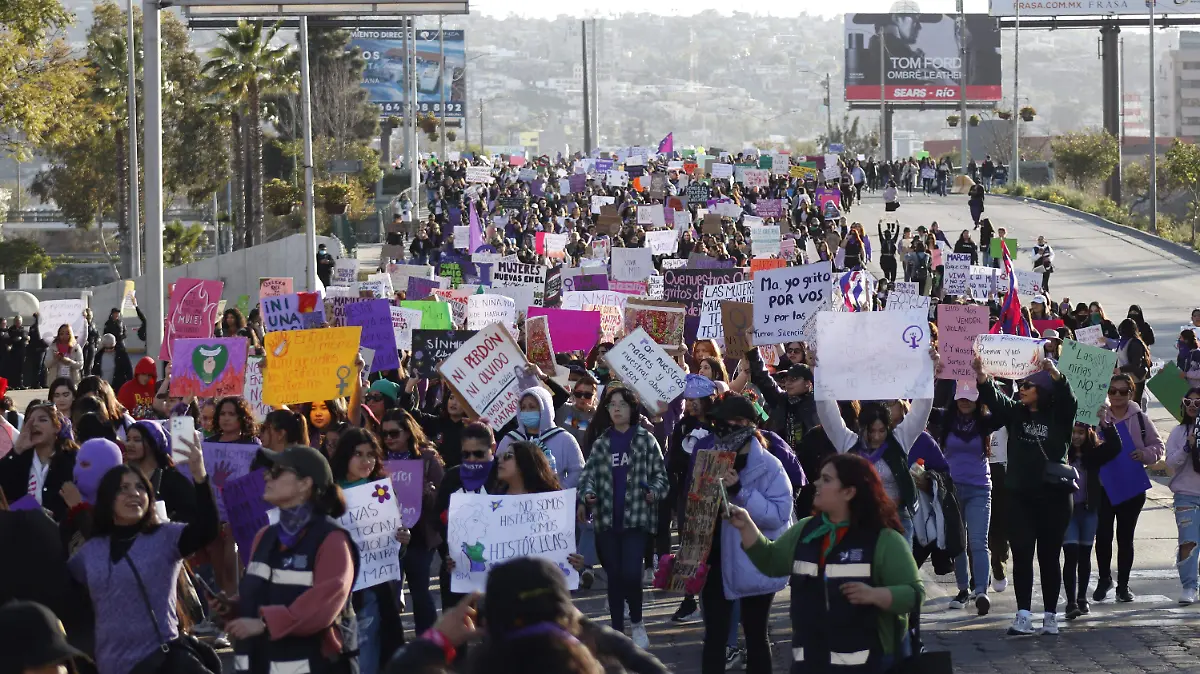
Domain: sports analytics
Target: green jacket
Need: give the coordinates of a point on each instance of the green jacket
(645, 467)
(1032, 433)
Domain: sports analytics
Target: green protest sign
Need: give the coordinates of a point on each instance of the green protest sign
(1088, 369)
(1169, 386)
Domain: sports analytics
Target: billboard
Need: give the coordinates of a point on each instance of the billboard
(383, 77)
(922, 57)
(1091, 7)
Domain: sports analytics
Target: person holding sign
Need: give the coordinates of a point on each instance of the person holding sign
(1040, 483)
(476, 475)
(1143, 446)
(294, 603)
(131, 565)
(358, 460)
(1188, 360)
(850, 569)
(885, 447)
(621, 486)
(1183, 457)
(64, 357)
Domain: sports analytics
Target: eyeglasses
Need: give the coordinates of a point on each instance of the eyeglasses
(583, 395)
(277, 471)
(507, 456)
(1191, 402)
(475, 456)
(392, 433)
(1118, 391)
(373, 397)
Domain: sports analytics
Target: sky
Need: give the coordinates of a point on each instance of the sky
(546, 9)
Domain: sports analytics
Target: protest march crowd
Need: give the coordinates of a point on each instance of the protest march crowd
(637, 369)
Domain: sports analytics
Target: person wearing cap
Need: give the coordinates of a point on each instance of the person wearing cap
(1039, 422)
(966, 443)
(476, 474)
(293, 611)
(1052, 349)
(791, 407)
(33, 641)
(382, 396)
(111, 363)
(131, 565)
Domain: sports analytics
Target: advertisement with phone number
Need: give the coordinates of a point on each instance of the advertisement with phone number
(383, 77)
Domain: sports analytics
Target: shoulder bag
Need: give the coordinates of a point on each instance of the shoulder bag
(183, 655)
(1058, 477)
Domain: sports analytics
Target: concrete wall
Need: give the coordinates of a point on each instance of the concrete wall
(240, 270)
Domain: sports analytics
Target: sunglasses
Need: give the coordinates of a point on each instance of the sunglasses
(373, 397)
(1191, 402)
(475, 456)
(392, 433)
(795, 350)
(584, 395)
(1026, 385)
(1118, 391)
(277, 471)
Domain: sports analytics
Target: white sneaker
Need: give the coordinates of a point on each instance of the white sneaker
(1022, 624)
(1187, 598)
(999, 584)
(1049, 624)
(639, 636)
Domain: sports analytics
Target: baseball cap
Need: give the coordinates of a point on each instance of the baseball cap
(1051, 334)
(799, 370)
(1040, 379)
(31, 636)
(734, 406)
(305, 461)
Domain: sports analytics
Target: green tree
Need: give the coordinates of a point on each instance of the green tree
(182, 243)
(1085, 157)
(244, 67)
(39, 78)
(1183, 173)
(850, 134)
(23, 256)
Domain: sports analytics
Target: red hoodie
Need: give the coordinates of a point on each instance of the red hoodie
(138, 399)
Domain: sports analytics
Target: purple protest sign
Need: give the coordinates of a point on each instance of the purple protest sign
(603, 165)
(26, 502)
(420, 288)
(537, 188)
(591, 282)
(1123, 477)
(408, 481)
(225, 461)
(375, 318)
(578, 182)
(770, 208)
(246, 509)
(570, 329)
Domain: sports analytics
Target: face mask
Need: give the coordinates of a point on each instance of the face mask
(530, 419)
(474, 473)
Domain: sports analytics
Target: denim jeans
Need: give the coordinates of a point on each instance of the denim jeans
(621, 556)
(1187, 508)
(415, 568)
(368, 633)
(906, 521)
(976, 505)
(1081, 530)
(734, 620)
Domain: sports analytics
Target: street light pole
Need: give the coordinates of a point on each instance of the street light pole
(1153, 133)
(152, 105)
(1015, 162)
(962, 83)
(828, 109)
(442, 85)
(310, 216)
(135, 219)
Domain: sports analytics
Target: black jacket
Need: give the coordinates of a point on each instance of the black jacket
(1091, 461)
(781, 408)
(122, 368)
(14, 478)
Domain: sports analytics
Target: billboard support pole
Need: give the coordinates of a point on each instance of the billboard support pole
(310, 216)
(405, 113)
(962, 86)
(829, 111)
(414, 171)
(152, 298)
(134, 213)
(884, 147)
(587, 114)
(1153, 133)
(442, 85)
(1014, 164)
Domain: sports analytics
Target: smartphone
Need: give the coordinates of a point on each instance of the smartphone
(182, 427)
(724, 498)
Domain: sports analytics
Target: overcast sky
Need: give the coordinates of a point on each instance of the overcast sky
(545, 9)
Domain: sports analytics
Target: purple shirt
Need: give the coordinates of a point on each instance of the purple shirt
(925, 447)
(968, 465)
(619, 446)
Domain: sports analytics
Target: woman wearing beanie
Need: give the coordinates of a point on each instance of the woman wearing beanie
(1183, 456)
(146, 449)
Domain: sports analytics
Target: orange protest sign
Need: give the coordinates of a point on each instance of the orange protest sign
(764, 263)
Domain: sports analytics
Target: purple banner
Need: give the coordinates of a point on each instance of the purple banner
(770, 208)
(375, 318)
(537, 188)
(590, 282)
(1123, 477)
(408, 482)
(246, 509)
(603, 165)
(578, 182)
(420, 288)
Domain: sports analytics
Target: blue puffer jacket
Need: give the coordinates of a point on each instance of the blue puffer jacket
(766, 493)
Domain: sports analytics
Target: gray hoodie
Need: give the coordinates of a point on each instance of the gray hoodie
(562, 446)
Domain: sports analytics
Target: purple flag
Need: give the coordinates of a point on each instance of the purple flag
(476, 230)
(667, 145)
(408, 481)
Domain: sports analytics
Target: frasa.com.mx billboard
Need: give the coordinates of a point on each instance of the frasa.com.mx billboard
(383, 77)
(922, 57)
(1091, 7)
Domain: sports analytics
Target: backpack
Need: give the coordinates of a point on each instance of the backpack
(921, 273)
(541, 440)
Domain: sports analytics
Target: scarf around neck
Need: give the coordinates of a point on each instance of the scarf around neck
(474, 473)
(828, 529)
(292, 522)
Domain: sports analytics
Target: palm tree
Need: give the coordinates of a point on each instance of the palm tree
(244, 67)
(182, 243)
(107, 58)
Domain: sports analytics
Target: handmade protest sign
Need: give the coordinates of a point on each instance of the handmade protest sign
(764, 240)
(646, 368)
(664, 321)
(737, 320)
(1169, 387)
(905, 288)
(253, 389)
(982, 281)
(246, 510)
(345, 271)
(612, 321)
(483, 310)
(372, 517)
(785, 298)
(710, 326)
(517, 274)
(958, 325)
(404, 321)
(1088, 369)
(272, 286)
(128, 300)
(486, 530)
(430, 347)
(375, 319)
(687, 286)
(408, 484)
(1093, 335)
(631, 264)
(1009, 356)
(570, 329)
(292, 311)
(53, 314)
(209, 368)
(899, 366)
(994, 248)
(191, 311)
(434, 315)
(662, 242)
(957, 272)
(702, 511)
(225, 461)
(904, 302)
(770, 208)
(308, 365)
(485, 371)
(1124, 477)
(539, 345)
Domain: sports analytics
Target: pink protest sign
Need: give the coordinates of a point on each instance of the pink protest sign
(958, 325)
(191, 312)
(570, 329)
(273, 286)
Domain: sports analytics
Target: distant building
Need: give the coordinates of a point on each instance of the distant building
(1181, 72)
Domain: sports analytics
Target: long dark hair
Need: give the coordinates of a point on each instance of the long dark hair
(1190, 426)
(292, 423)
(246, 422)
(416, 435)
(347, 446)
(103, 523)
(96, 386)
(601, 421)
(871, 509)
(534, 468)
(872, 412)
(337, 413)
